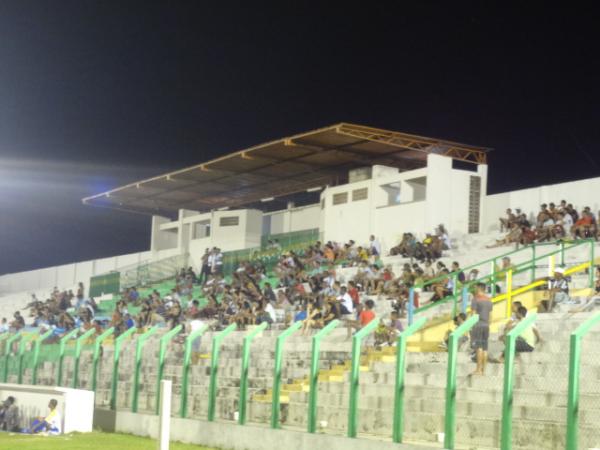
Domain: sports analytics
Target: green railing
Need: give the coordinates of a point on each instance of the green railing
(36, 355)
(114, 385)
(314, 374)
(354, 375)
(276, 391)
(139, 347)
(450, 418)
(21, 355)
(78, 347)
(214, 369)
(96, 356)
(495, 275)
(7, 351)
(187, 359)
(398, 431)
(573, 390)
(245, 365)
(509, 380)
(162, 353)
(61, 353)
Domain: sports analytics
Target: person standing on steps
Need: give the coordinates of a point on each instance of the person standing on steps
(480, 334)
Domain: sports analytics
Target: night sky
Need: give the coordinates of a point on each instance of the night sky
(94, 95)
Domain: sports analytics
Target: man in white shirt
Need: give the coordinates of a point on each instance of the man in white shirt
(346, 301)
(374, 246)
(51, 424)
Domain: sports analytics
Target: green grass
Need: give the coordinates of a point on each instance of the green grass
(86, 441)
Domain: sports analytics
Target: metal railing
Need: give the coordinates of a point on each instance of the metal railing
(573, 389)
(496, 275)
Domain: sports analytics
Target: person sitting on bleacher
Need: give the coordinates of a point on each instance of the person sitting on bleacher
(526, 341)
(558, 289)
(506, 222)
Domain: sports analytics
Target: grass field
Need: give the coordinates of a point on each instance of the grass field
(88, 441)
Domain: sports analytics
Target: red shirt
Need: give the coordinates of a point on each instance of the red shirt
(366, 316)
(353, 292)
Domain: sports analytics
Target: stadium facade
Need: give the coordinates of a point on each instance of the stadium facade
(342, 182)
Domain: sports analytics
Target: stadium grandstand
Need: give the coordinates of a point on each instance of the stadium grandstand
(343, 283)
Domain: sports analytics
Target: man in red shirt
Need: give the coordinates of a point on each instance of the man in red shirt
(353, 292)
(366, 315)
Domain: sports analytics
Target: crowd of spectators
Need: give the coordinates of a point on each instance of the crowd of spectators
(552, 222)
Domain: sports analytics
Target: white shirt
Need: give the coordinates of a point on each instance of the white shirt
(271, 311)
(567, 221)
(375, 245)
(53, 419)
(195, 325)
(347, 302)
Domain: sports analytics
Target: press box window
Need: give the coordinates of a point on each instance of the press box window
(231, 221)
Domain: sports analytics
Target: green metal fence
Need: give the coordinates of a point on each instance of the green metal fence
(497, 274)
(108, 283)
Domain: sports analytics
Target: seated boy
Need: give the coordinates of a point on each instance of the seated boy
(50, 424)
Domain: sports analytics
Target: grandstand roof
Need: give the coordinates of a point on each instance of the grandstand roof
(282, 167)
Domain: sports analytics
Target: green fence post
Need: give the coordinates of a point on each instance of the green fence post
(493, 278)
(509, 379)
(592, 269)
(573, 391)
(36, 355)
(162, 352)
(454, 296)
(78, 344)
(400, 375)
(114, 385)
(139, 346)
(533, 259)
(450, 419)
(214, 368)
(8, 344)
(96, 356)
(354, 375)
(276, 391)
(3, 336)
(61, 353)
(187, 357)
(21, 355)
(244, 376)
(314, 374)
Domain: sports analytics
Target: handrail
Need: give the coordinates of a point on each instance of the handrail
(61, 353)
(573, 389)
(507, 392)
(400, 375)
(162, 351)
(187, 356)
(314, 374)
(276, 391)
(15, 337)
(244, 375)
(450, 419)
(114, 385)
(21, 355)
(96, 355)
(214, 368)
(78, 344)
(36, 355)
(354, 375)
(139, 346)
(517, 268)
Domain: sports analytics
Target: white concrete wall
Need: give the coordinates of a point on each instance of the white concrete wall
(580, 193)
(68, 275)
(295, 219)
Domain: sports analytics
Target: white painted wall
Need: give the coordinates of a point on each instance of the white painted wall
(580, 193)
(295, 219)
(68, 275)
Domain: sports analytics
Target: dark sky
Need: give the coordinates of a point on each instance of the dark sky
(97, 94)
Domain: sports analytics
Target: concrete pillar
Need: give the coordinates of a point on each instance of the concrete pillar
(438, 207)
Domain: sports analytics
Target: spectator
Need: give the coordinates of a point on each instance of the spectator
(4, 325)
(527, 340)
(458, 321)
(558, 290)
(374, 247)
(388, 334)
(480, 333)
(9, 415)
